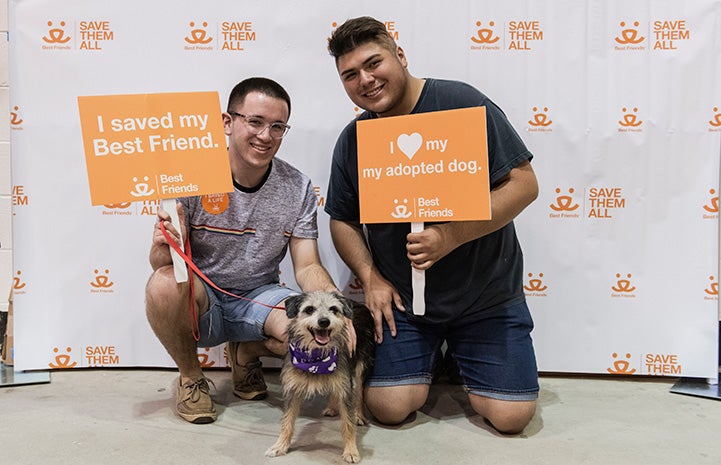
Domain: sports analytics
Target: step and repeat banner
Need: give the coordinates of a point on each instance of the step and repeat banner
(618, 100)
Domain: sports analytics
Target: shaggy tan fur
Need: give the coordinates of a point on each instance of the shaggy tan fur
(317, 322)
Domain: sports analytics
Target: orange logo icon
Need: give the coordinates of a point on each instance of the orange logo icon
(117, 209)
(564, 203)
(17, 282)
(355, 287)
(623, 285)
(713, 207)
(15, 118)
(630, 119)
(62, 360)
(198, 36)
(540, 118)
(715, 122)
(621, 367)
(713, 287)
(629, 36)
(485, 35)
(117, 205)
(535, 284)
(102, 280)
(204, 359)
(215, 204)
(56, 35)
(355, 284)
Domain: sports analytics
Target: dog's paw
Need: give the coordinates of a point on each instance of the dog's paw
(351, 456)
(330, 412)
(276, 451)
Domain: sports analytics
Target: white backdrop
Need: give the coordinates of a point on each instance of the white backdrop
(618, 100)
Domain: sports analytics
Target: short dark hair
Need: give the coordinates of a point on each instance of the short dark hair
(257, 84)
(358, 31)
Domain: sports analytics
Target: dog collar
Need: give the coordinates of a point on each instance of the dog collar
(317, 361)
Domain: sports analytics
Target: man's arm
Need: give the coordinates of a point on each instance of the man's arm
(350, 244)
(310, 274)
(514, 193)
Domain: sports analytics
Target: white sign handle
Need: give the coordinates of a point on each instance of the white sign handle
(181, 272)
(419, 281)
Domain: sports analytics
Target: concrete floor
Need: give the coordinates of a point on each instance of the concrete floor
(119, 416)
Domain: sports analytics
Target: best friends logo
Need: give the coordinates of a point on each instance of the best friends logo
(92, 35)
(56, 37)
(629, 37)
(565, 206)
(534, 286)
(485, 37)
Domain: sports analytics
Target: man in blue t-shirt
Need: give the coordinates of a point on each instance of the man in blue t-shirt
(474, 295)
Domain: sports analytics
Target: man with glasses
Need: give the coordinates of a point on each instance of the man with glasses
(474, 296)
(238, 241)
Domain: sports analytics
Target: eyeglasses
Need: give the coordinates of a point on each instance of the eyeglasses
(258, 125)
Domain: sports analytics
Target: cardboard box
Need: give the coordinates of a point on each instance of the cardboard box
(7, 349)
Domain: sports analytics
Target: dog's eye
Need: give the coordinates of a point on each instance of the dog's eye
(334, 310)
(309, 310)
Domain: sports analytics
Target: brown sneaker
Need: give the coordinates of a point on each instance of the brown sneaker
(194, 403)
(248, 382)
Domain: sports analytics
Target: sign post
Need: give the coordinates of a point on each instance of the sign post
(154, 146)
(425, 167)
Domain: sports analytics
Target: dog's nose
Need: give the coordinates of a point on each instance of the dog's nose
(324, 322)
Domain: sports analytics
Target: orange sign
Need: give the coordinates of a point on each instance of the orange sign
(154, 146)
(424, 167)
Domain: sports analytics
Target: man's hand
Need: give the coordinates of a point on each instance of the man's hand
(379, 295)
(164, 218)
(160, 249)
(428, 246)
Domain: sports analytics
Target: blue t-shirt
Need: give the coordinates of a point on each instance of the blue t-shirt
(483, 274)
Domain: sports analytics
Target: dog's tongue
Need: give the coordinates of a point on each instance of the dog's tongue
(322, 336)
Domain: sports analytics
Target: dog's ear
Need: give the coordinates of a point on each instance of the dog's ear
(346, 304)
(292, 305)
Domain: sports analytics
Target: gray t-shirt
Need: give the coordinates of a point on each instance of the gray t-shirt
(239, 239)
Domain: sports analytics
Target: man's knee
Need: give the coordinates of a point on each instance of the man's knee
(161, 286)
(392, 405)
(507, 417)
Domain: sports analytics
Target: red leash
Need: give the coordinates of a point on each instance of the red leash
(188, 259)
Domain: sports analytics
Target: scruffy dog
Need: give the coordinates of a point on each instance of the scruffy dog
(319, 363)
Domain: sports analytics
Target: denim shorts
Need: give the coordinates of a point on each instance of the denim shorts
(494, 354)
(238, 320)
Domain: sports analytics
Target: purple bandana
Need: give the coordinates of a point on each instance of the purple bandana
(317, 361)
